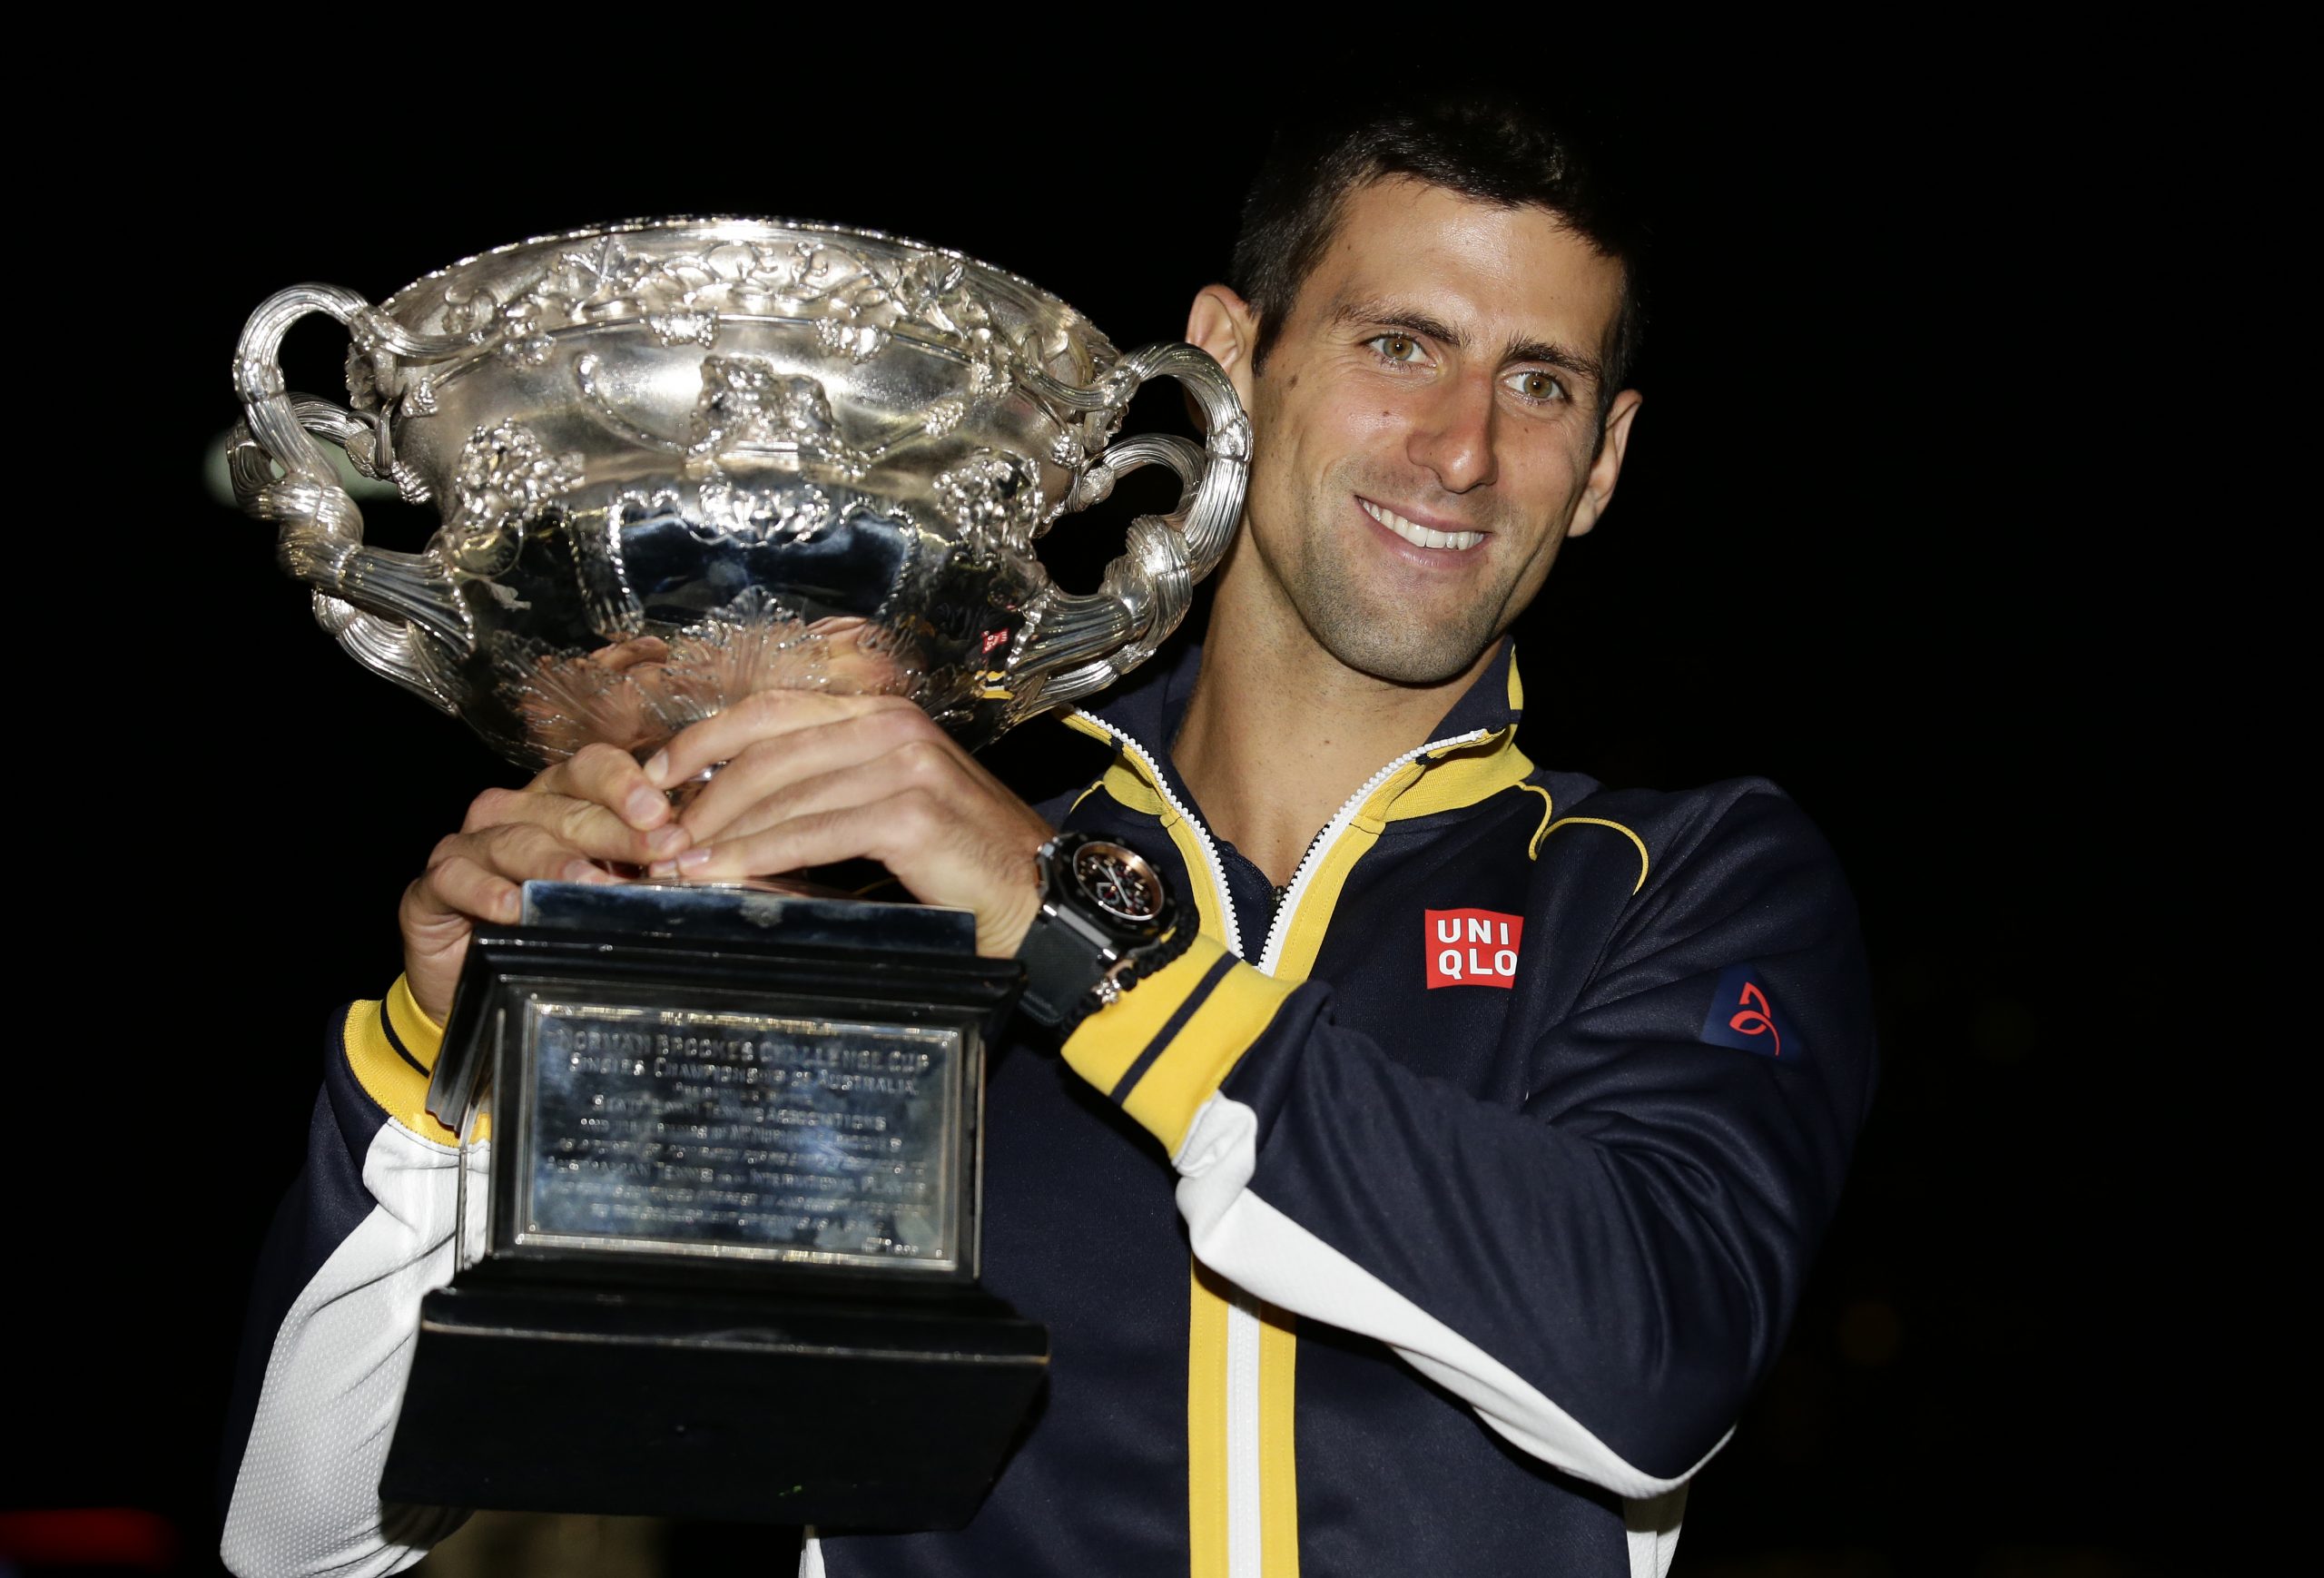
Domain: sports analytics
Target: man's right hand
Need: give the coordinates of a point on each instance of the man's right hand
(566, 826)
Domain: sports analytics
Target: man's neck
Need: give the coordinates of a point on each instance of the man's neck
(1279, 733)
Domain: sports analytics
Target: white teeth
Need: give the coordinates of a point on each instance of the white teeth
(1420, 535)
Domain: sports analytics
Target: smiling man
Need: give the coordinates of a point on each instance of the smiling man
(1437, 1208)
(1434, 420)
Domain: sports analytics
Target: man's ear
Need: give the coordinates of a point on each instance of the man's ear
(1223, 324)
(1606, 466)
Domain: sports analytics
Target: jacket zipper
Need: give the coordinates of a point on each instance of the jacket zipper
(1245, 1549)
(1272, 955)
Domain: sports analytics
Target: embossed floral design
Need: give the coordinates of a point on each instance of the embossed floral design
(377, 379)
(764, 515)
(469, 309)
(679, 298)
(993, 359)
(366, 375)
(522, 337)
(924, 288)
(697, 326)
(749, 404)
(505, 475)
(856, 341)
(992, 493)
(940, 417)
(857, 299)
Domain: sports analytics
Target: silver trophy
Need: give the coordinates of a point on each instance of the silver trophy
(682, 461)
(720, 1151)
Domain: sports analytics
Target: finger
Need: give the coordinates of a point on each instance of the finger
(612, 778)
(461, 888)
(435, 946)
(586, 826)
(767, 715)
(983, 863)
(478, 873)
(918, 765)
(522, 851)
(904, 827)
(771, 768)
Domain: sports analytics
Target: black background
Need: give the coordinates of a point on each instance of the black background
(1849, 553)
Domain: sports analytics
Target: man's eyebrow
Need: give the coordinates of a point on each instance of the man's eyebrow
(1563, 357)
(1396, 315)
(1415, 320)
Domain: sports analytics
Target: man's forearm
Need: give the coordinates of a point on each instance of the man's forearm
(365, 1235)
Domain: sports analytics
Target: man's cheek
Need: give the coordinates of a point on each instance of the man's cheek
(1367, 424)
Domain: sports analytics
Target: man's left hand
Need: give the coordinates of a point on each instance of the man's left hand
(811, 779)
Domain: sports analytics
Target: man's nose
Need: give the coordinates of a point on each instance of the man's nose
(1453, 432)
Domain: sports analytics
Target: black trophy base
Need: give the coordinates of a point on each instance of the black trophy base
(721, 1240)
(891, 1416)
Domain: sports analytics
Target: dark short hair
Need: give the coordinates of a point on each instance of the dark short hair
(1496, 148)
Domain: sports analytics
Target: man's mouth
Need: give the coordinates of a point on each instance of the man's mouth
(1417, 535)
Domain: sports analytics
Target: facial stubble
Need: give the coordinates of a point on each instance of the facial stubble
(1360, 621)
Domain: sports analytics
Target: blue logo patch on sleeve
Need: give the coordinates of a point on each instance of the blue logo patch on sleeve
(1741, 1016)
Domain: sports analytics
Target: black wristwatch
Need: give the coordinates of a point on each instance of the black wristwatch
(1108, 918)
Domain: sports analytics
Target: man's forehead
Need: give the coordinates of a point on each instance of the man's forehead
(1506, 274)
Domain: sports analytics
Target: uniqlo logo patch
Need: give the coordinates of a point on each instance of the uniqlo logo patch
(1473, 947)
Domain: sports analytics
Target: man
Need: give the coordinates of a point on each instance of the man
(1439, 1208)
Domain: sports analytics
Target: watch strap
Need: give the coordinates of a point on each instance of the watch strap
(1069, 975)
(1062, 967)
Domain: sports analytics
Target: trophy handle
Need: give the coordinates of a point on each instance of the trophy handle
(376, 603)
(1081, 643)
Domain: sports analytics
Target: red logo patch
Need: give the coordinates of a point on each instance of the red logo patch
(1473, 947)
(1742, 1015)
(1757, 1018)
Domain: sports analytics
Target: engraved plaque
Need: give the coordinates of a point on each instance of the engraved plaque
(817, 1142)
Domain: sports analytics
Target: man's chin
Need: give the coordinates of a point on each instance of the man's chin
(1392, 630)
(1438, 657)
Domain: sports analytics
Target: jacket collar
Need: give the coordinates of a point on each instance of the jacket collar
(1149, 709)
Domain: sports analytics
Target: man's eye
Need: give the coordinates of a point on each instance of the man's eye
(1537, 386)
(1398, 348)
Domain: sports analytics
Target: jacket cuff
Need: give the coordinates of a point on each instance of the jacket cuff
(420, 1036)
(1165, 1046)
(391, 1048)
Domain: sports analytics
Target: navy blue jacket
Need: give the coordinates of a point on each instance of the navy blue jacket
(1440, 1220)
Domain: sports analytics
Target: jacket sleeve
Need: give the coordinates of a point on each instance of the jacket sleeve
(1604, 1269)
(363, 1236)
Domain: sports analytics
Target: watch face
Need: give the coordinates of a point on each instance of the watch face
(1121, 885)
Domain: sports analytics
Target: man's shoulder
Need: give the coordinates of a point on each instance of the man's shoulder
(1666, 810)
(1732, 819)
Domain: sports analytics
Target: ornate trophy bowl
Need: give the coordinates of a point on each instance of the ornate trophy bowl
(683, 460)
(720, 1149)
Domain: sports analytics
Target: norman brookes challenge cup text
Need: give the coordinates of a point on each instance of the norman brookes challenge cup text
(794, 1139)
